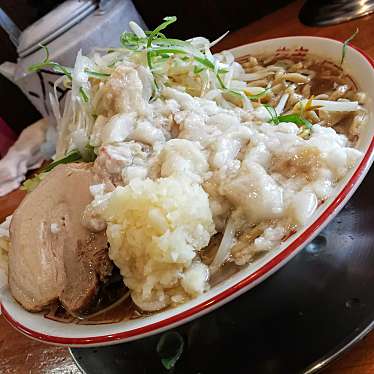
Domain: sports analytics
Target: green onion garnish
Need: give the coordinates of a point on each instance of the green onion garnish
(345, 45)
(170, 348)
(259, 95)
(96, 74)
(131, 41)
(31, 183)
(70, 157)
(83, 95)
(158, 48)
(46, 63)
(161, 51)
(272, 112)
(88, 155)
(296, 119)
(234, 92)
(220, 81)
(204, 61)
(198, 70)
(154, 34)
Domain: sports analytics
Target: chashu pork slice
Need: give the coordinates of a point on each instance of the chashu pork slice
(52, 256)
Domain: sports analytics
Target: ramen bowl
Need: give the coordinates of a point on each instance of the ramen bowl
(360, 68)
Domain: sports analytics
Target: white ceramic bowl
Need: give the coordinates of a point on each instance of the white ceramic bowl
(361, 69)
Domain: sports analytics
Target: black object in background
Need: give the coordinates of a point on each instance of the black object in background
(330, 12)
(15, 108)
(209, 18)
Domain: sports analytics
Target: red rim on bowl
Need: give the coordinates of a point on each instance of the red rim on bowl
(205, 306)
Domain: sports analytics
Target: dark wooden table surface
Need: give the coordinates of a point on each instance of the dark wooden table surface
(19, 354)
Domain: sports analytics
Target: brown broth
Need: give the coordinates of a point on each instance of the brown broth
(207, 254)
(123, 311)
(328, 76)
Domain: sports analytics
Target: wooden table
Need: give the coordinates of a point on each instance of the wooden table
(19, 354)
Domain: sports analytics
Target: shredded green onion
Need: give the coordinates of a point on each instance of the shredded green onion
(234, 92)
(154, 34)
(345, 45)
(170, 348)
(259, 95)
(70, 157)
(113, 64)
(131, 41)
(272, 112)
(198, 70)
(296, 119)
(156, 31)
(83, 95)
(31, 183)
(88, 155)
(170, 42)
(220, 81)
(96, 74)
(204, 61)
(161, 51)
(159, 48)
(47, 64)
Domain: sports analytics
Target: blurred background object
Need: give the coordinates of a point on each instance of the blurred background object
(25, 154)
(15, 109)
(71, 26)
(331, 12)
(209, 18)
(7, 137)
